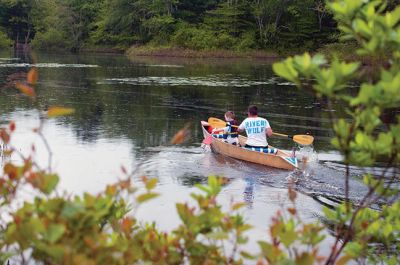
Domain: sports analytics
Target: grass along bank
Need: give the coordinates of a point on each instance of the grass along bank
(343, 51)
(168, 51)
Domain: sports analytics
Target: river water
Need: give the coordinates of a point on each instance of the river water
(128, 110)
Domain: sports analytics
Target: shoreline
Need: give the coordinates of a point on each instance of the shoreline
(146, 51)
(339, 50)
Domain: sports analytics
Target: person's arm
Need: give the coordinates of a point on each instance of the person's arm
(226, 129)
(269, 131)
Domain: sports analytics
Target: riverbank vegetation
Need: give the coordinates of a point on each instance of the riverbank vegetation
(238, 25)
(212, 28)
(54, 228)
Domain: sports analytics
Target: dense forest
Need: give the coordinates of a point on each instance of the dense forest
(195, 24)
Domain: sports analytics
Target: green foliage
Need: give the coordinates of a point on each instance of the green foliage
(193, 11)
(16, 18)
(201, 38)
(50, 39)
(96, 229)
(4, 40)
(363, 139)
(301, 25)
(190, 37)
(290, 235)
(230, 17)
(100, 229)
(237, 25)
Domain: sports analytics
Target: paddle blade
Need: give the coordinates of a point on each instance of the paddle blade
(303, 139)
(216, 123)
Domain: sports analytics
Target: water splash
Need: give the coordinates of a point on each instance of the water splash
(308, 156)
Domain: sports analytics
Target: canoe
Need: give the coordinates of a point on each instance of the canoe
(280, 160)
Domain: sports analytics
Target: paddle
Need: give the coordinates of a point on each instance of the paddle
(217, 123)
(299, 138)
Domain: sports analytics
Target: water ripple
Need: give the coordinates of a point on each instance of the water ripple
(162, 65)
(48, 65)
(213, 81)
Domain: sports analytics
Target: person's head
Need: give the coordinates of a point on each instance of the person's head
(252, 111)
(229, 115)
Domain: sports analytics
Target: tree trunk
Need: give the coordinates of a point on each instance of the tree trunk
(27, 36)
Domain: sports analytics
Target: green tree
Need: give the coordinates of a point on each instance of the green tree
(193, 11)
(299, 25)
(4, 40)
(50, 32)
(96, 229)
(267, 14)
(78, 20)
(18, 18)
(231, 17)
(120, 22)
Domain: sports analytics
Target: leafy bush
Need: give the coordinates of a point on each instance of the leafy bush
(194, 38)
(364, 138)
(51, 39)
(191, 37)
(246, 42)
(225, 41)
(4, 40)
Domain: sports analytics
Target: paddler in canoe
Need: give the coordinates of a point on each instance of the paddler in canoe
(257, 139)
(256, 148)
(255, 151)
(257, 129)
(230, 131)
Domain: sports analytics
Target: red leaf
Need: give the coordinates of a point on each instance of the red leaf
(27, 90)
(292, 211)
(12, 126)
(11, 170)
(4, 136)
(126, 225)
(32, 76)
(181, 136)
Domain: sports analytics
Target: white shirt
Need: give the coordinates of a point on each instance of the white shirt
(256, 129)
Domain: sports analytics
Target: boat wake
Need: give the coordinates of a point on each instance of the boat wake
(188, 165)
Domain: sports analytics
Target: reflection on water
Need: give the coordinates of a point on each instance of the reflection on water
(48, 65)
(126, 99)
(248, 194)
(127, 112)
(210, 80)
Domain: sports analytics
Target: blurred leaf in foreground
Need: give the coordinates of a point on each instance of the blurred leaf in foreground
(27, 90)
(182, 135)
(54, 111)
(32, 76)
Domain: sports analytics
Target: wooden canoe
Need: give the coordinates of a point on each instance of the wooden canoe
(280, 160)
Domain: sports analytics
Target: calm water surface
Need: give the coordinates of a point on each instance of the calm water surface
(128, 110)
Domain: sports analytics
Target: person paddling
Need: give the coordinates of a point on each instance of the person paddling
(230, 134)
(257, 129)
